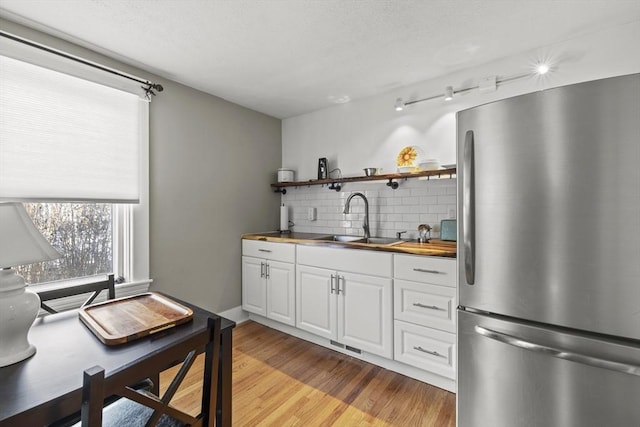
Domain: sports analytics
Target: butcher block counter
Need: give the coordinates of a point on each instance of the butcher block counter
(435, 247)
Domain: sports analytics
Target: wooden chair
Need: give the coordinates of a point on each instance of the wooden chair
(143, 408)
(94, 287)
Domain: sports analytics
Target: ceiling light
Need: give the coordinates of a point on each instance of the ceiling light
(339, 99)
(542, 68)
(399, 104)
(448, 93)
(486, 84)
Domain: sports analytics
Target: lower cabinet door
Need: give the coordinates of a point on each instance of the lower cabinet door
(365, 318)
(316, 301)
(426, 305)
(254, 292)
(281, 292)
(425, 348)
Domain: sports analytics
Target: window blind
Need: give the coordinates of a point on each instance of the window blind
(64, 138)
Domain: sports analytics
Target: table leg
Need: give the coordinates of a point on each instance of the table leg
(223, 405)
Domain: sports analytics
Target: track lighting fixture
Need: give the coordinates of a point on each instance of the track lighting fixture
(542, 68)
(448, 93)
(487, 84)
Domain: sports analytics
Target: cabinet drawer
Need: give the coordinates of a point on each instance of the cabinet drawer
(425, 348)
(343, 259)
(425, 305)
(285, 252)
(437, 271)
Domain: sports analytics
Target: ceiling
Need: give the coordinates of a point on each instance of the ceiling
(288, 57)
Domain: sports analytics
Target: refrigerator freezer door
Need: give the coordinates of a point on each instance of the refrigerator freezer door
(516, 374)
(549, 202)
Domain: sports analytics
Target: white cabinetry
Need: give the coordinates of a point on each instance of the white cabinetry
(425, 313)
(346, 296)
(268, 280)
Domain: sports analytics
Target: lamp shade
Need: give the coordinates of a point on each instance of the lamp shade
(20, 242)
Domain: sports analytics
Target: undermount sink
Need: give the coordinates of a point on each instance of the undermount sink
(359, 239)
(382, 240)
(342, 238)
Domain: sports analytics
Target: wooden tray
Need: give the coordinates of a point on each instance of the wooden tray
(126, 319)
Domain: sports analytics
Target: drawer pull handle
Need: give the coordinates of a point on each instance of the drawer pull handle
(423, 270)
(433, 353)
(430, 307)
(264, 250)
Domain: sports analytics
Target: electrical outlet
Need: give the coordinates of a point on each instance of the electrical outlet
(452, 213)
(311, 214)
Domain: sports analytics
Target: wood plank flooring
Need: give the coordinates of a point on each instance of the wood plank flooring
(280, 380)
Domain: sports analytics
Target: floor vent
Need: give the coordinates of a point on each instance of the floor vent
(336, 343)
(355, 350)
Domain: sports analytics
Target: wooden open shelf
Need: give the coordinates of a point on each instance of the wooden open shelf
(391, 177)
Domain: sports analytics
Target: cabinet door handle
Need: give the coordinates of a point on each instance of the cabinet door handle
(267, 270)
(430, 307)
(262, 269)
(343, 286)
(423, 270)
(264, 250)
(433, 353)
(332, 282)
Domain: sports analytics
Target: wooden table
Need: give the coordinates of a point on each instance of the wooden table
(48, 386)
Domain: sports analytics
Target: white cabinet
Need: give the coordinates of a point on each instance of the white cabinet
(346, 296)
(254, 286)
(316, 305)
(425, 304)
(268, 280)
(425, 348)
(425, 313)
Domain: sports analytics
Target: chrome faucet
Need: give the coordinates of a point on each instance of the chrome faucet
(365, 222)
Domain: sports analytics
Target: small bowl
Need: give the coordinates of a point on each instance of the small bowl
(430, 164)
(370, 171)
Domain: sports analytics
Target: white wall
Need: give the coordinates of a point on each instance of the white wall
(370, 133)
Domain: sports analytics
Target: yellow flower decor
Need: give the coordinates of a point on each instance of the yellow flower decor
(407, 156)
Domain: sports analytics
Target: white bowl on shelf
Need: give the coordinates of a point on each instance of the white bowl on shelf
(429, 165)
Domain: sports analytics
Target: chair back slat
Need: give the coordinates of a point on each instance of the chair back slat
(94, 287)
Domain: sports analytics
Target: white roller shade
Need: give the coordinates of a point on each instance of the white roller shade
(63, 138)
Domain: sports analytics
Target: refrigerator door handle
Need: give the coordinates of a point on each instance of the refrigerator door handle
(597, 362)
(468, 209)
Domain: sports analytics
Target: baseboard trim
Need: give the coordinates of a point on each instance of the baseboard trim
(237, 314)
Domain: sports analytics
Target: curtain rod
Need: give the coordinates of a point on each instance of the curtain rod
(149, 86)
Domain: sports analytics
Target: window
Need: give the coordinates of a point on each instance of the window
(74, 148)
(81, 232)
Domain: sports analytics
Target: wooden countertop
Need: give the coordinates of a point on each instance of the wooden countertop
(435, 247)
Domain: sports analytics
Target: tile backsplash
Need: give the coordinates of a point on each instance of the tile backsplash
(416, 201)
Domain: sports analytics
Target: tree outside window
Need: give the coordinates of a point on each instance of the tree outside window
(81, 232)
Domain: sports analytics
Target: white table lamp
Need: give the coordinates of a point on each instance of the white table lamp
(20, 243)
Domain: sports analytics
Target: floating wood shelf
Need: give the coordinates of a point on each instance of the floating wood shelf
(334, 183)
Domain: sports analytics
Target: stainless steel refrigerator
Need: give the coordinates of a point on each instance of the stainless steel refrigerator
(549, 258)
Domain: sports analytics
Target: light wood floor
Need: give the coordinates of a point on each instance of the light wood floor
(280, 380)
